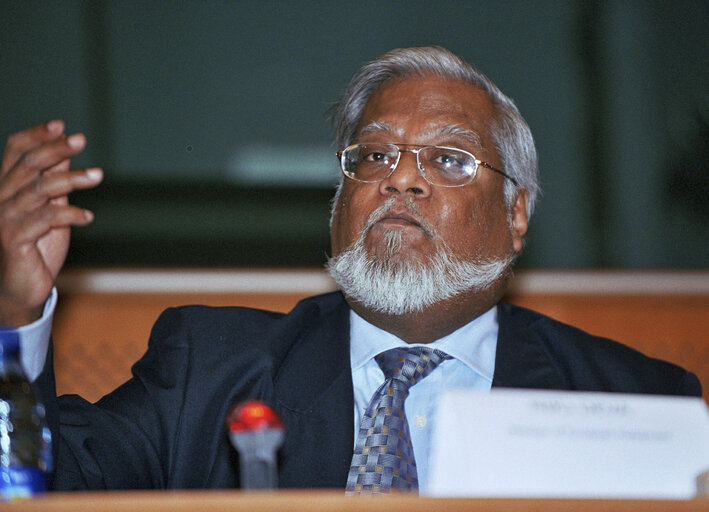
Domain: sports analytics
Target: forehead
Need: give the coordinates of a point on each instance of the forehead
(419, 105)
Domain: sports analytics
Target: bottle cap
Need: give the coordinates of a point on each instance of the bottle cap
(9, 342)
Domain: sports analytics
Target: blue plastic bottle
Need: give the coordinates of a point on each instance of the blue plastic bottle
(25, 440)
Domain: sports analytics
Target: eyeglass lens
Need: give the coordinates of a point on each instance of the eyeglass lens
(441, 166)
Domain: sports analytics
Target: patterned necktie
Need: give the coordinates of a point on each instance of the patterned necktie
(383, 459)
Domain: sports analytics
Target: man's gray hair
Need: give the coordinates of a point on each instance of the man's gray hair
(510, 133)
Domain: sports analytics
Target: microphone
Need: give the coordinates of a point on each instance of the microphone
(256, 432)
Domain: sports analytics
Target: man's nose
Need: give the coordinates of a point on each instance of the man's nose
(406, 178)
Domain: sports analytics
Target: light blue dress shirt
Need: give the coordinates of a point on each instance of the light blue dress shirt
(473, 348)
(34, 339)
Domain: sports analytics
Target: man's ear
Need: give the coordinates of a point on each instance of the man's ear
(519, 220)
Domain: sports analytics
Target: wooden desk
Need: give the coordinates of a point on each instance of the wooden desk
(321, 501)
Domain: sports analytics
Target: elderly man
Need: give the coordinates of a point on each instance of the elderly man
(439, 183)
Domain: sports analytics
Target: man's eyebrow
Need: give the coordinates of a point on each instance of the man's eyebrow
(439, 132)
(375, 126)
(454, 131)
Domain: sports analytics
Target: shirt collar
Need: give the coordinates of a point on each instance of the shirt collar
(474, 344)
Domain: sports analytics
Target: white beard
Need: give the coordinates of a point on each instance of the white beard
(400, 287)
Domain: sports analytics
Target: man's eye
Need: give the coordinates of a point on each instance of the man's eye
(448, 160)
(374, 157)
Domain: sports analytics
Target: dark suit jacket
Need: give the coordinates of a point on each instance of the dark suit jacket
(164, 428)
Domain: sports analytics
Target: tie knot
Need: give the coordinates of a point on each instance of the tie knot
(409, 365)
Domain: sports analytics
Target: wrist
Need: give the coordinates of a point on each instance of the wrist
(13, 316)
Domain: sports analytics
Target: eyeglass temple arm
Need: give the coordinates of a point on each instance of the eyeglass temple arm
(485, 164)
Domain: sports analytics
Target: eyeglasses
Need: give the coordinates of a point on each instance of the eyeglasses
(372, 162)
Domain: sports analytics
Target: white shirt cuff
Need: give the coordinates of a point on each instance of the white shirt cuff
(34, 339)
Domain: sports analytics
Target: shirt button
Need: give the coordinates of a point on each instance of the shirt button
(420, 421)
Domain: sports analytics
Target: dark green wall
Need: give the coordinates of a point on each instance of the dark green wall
(177, 98)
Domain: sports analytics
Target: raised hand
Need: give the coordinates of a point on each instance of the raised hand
(35, 216)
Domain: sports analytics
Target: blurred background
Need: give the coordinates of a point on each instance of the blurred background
(210, 119)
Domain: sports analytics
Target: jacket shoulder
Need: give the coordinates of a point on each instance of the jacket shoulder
(241, 325)
(595, 363)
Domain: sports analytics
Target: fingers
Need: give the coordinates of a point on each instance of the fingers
(35, 182)
(35, 209)
(19, 230)
(62, 166)
(35, 179)
(29, 139)
(42, 206)
(43, 157)
(29, 157)
(55, 185)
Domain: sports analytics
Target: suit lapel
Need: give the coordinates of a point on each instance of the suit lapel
(315, 398)
(521, 361)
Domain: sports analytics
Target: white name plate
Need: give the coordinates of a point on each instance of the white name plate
(522, 443)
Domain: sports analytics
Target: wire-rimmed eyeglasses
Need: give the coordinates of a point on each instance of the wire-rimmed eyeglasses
(443, 166)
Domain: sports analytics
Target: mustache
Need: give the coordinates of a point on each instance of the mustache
(411, 208)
